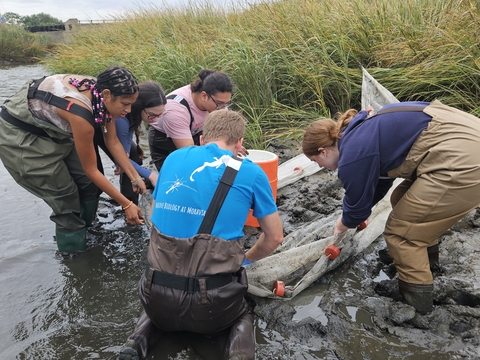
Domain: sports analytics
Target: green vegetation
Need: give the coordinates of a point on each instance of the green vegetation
(40, 19)
(19, 45)
(293, 61)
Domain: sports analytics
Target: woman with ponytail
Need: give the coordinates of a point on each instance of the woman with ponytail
(187, 107)
(435, 148)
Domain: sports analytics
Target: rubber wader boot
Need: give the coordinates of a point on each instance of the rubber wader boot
(241, 341)
(129, 351)
(433, 255)
(417, 295)
(88, 211)
(75, 241)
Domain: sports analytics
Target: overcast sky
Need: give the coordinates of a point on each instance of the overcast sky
(94, 9)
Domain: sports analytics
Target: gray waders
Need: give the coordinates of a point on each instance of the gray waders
(42, 159)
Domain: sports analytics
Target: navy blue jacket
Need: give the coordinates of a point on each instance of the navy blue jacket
(368, 149)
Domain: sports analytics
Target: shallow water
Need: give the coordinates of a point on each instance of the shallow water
(85, 307)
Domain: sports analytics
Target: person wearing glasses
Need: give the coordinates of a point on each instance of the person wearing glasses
(148, 108)
(185, 111)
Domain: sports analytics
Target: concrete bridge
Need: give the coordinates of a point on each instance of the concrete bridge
(65, 32)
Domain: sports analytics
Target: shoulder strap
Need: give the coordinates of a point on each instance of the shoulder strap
(49, 98)
(181, 100)
(231, 170)
(410, 108)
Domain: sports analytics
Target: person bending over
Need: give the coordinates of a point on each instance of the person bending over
(434, 148)
(148, 107)
(185, 112)
(46, 144)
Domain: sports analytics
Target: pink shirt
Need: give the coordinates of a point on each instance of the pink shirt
(175, 123)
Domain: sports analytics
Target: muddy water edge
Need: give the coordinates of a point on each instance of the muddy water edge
(85, 307)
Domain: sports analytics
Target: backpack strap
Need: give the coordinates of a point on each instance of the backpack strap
(49, 98)
(181, 100)
(232, 166)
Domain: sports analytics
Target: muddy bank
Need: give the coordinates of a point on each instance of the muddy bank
(355, 312)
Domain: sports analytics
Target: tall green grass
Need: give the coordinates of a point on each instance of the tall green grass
(293, 61)
(19, 45)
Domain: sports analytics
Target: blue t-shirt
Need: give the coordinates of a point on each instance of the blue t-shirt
(185, 187)
(125, 135)
(368, 149)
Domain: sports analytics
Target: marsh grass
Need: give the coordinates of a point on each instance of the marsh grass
(17, 44)
(294, 61)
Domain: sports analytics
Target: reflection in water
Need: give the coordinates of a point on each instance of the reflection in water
(311, 310)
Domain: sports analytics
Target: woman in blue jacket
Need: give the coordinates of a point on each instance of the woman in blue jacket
(148, 108)
(434, 148)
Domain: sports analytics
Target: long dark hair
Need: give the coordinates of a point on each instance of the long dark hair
(212, 82)
(150, 94)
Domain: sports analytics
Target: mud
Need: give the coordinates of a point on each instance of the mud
(356, 312)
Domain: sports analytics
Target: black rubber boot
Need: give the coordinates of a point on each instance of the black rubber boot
(418, 295)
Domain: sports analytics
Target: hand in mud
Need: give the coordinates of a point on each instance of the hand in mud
(339, 227)
(134, 215)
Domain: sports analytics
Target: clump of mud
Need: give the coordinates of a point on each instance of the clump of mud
(356, 312)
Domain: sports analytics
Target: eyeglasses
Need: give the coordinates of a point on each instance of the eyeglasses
(152, 116)
(219, 105)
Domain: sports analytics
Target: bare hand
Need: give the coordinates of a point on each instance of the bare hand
(134, 215)
(339, 227)
(139, 187)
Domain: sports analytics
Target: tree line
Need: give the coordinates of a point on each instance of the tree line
(29, 21)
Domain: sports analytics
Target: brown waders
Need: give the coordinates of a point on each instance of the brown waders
(442, 172)
(196, 284)
(208, 296)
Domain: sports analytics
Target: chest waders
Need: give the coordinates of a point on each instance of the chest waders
(160, 144)
(50, 169)
(420, 295)
(197, 284)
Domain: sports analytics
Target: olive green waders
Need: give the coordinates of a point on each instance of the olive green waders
(49, 167)
(443, 184)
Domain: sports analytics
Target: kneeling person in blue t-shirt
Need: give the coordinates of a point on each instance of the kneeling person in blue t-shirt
(194, 280)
